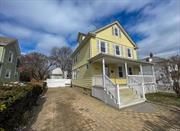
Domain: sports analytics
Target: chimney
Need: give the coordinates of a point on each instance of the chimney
(151, 57)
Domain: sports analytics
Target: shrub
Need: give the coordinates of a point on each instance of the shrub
(14, 102)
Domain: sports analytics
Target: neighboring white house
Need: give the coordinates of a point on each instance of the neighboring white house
(58, 79)
(56, 74)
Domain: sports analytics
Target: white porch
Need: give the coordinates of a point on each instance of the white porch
(132, 93)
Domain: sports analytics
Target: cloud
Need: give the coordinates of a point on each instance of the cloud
(56, 23)
(47, 42)
(161, 26)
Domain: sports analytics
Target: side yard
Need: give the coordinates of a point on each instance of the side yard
(164, 98)
(66, 109)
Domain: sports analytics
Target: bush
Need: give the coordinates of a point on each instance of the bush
(25, 77)
(14, 102)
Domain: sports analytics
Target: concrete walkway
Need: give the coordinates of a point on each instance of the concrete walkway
(67, 109)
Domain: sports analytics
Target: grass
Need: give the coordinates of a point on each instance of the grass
(164, 98)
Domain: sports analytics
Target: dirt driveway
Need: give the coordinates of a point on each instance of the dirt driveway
(66, 109)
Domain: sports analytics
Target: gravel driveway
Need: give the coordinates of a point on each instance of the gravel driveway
(67, 109)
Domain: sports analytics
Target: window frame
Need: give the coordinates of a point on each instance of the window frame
(114, 31)
(129, 71)
(106, 48)
(10, 55)
(120, 50)
(8, 73)
(129, 49)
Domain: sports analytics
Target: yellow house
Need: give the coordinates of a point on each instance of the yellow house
(106, 62)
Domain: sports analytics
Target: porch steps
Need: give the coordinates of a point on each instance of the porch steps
(129, 97)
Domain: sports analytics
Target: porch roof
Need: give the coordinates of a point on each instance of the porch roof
(116, 59)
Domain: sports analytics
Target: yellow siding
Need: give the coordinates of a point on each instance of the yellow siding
(107, 36)
(90, 49)
(84, 77)
(83, 56)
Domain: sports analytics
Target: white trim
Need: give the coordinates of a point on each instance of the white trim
(106, 46)
(120, 50)
(130, 52)
(118, 31)
(123, 71)
(9, 73)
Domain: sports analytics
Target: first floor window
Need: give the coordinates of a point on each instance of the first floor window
(130, 71)
(129, 53)
(8, 74)
(103, 46)
(120, 71)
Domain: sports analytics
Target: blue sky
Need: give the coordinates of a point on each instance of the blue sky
(40, 25)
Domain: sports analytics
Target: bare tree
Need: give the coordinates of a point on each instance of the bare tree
(171, 68)
(62, 57)
(37, 64)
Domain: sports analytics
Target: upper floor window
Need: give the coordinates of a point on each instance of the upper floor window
(117, 50)
(8, 73)
(103, 47)
(116, 31)
(10, 58)
(129, 53)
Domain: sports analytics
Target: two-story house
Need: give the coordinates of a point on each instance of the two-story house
(106, 62)
(9, 53)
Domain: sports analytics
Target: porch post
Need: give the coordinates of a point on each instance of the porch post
(143, 90)
(103, 66)
(126, 70)
(141, 69)
(154, 78)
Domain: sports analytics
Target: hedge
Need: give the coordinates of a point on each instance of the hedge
(14, 102)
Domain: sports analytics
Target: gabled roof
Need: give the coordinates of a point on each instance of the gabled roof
(93, 33)
(4, 41)
(122, 29)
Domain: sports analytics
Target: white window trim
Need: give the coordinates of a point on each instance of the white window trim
(11, 58)
(130, 51)
(9, 73)
(120, 50)
(106, 47)
(117, 30)
(123, 70)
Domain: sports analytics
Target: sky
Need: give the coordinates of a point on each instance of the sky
(40, 25)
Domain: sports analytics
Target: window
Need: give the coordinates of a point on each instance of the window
(103, 47)
(117, 50)
(116, 31)
(129, 53)
(10, 59)
(8, 74)
(0, 69)
(120, 71)
(130, 71)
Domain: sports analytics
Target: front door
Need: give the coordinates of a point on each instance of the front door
(107, 70)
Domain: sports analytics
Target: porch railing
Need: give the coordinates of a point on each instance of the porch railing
(110, 88)
(141, 83)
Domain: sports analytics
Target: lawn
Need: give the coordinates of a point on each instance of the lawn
(164, 98)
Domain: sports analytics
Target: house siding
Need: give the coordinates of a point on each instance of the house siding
(106, 35)
(91, 49)
(7, 65)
